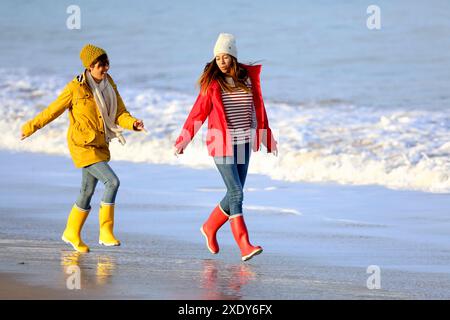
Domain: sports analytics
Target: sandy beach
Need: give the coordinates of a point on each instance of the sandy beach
(318, 239)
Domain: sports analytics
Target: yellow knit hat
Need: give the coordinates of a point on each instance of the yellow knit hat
(89, 53)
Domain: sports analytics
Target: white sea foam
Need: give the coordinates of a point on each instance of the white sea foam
(276, 210)
(335, 142)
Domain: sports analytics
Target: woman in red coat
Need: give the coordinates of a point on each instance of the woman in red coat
(230, 97)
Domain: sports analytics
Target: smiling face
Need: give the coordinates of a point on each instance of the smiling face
(99, 68)
(223, 61)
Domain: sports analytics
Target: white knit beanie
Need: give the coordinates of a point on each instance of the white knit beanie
(226, 43)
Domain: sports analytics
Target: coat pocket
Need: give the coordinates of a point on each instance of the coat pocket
(81, 136)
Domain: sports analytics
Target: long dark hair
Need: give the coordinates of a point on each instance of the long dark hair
(103, 59)
(212, 72)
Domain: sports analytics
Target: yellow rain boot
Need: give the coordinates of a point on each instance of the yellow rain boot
(75, 222)
(106, 221)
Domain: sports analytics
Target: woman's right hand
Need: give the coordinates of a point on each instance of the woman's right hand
(177, 151)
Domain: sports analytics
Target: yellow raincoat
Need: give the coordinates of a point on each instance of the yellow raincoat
(86, 135)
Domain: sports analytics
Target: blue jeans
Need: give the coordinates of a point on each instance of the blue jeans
(90, 176)
(234, 171)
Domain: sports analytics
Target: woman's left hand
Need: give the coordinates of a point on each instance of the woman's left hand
(138, 125)
(274, 147)
(274, 150)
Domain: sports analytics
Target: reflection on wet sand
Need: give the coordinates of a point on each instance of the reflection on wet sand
(73, 262)
(221, 281)
(105, 269)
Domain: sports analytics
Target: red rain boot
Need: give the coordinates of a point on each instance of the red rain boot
(240, 234)
(209, 229)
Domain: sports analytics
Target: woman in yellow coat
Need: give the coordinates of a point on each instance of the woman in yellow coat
(97, 115)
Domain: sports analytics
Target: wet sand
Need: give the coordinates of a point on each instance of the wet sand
(163, 255)
(147, 267)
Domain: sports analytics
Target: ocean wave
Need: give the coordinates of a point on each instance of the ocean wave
(318, 142)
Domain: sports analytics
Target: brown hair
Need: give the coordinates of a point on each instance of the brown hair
(212, 72)
(103, 59)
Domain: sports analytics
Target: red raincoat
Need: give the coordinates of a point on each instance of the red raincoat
(218, 139)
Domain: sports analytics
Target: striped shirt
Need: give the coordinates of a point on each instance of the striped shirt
(240, 114)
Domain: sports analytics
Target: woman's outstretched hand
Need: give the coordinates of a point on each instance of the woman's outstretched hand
(138, 125)
(274, 150)
(177, 151)
(274, 147)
